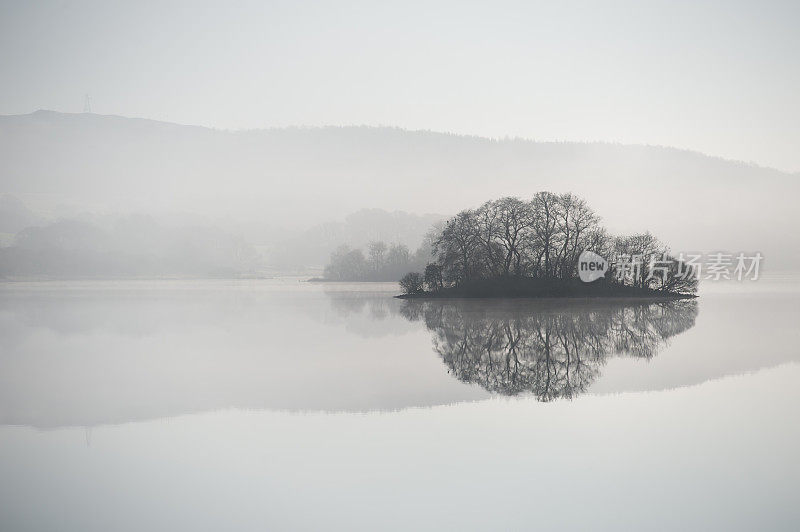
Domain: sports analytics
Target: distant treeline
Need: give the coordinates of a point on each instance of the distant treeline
(382, 262)
(313, 246)
(542, 239)
(125, 246)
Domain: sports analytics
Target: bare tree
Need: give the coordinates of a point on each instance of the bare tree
(677, 277)
(487, 227)
(643, 250)
(545, 224)
(457, 246)
(576, 220)
(515, 220)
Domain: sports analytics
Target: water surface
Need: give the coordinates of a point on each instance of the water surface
(280, 404)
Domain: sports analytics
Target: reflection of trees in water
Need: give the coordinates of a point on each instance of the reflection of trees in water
(552, 349)
(368, 314)
(377, 305)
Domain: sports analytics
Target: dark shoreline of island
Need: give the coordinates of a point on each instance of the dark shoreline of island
(544, 288)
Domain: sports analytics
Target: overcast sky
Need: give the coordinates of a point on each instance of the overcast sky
(719, 77)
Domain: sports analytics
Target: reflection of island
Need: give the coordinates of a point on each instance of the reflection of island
(552, 349)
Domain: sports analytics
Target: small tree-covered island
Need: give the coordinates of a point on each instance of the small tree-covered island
(515, 248)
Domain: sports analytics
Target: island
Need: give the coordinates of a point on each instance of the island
(550, 246)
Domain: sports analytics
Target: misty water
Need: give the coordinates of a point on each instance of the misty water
(281, 404)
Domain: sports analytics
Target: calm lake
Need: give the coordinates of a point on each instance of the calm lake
(279, 404)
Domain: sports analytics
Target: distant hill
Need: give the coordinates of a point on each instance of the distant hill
(14, 214)
(300, 177)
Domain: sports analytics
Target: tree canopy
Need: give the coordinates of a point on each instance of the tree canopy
(543, 238)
